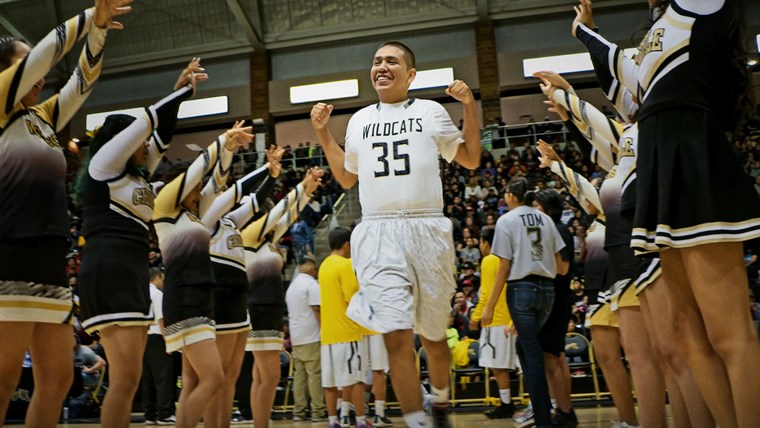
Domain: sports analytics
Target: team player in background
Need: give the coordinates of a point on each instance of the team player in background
(184, 242)
(37, 309)
(498, 350)
(344, 356)
(117, 205)
(392, 150)
(528, 246)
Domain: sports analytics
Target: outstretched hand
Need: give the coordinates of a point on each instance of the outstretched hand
(312, 180)
(552, 78)
(238, 136)
(548, 155)
(107, 10)
(274, 155)
(320, 115)
(460, 92)
(583, 15)
(192, 74)
(558, 108)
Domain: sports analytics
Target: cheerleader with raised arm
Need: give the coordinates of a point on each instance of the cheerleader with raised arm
(230, 290)
(266, 299)
(117, 203)
(184, 241)
(694, 202)
(37, 302)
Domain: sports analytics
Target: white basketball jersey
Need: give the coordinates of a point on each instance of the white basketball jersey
(394, 149)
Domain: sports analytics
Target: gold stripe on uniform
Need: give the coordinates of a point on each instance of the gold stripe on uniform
(30, 304)
(189, 332)
(646, 81)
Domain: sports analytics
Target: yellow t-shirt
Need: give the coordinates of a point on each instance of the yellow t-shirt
(337, 284)
(489, 266)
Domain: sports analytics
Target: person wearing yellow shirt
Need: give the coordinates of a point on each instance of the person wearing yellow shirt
(497, 339)
(344, 357)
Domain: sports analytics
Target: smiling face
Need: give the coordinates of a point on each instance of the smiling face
(391, 75)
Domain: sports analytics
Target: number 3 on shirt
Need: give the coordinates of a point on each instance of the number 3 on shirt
(385, 170)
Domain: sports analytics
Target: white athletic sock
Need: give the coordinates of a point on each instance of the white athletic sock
(360, 420)
(416, 419)
(440, 396)
(505, 395)
(380, 408)
(332, 420)
(345, 409)
(554, 403)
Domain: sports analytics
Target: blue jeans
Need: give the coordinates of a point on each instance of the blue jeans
(530, 304)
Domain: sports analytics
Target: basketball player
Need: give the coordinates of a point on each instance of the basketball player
(498, 349)
(117, 204)
(344, 356)
(37, 301)
(392, 150)
(528, 245)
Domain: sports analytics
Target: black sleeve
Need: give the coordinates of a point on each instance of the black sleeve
(567, 253)
(264, 190)
(167, 117)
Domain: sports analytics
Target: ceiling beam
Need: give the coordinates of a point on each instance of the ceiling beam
(10, 27)
(254, 37)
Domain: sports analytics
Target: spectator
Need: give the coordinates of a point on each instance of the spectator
(302, 298)
(470, 253)
(468, 274)
(89, 362)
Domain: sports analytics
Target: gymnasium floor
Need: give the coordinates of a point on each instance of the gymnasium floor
(594, 417)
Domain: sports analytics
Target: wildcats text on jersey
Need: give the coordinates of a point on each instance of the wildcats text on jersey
(412, 124)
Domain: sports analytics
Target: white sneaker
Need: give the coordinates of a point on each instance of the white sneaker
(171, 420)
(621, 424)
(524, 421)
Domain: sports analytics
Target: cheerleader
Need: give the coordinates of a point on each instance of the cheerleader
(266, 299)
(693, 198)
(184, 242)
(600, 318)
(35, 300)
(117, 204)
(231, 283)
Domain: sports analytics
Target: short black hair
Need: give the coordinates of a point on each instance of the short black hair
(338, 237)
(155, 272)
(308, 261)
(409, 58)
(486, 234)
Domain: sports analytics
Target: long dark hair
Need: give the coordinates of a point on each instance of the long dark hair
(113, 124)
(551, 202)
